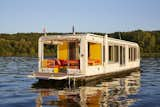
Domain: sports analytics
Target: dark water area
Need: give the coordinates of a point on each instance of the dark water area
(137, 89)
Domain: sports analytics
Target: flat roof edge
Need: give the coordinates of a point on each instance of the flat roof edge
(78, 36)
(120, 40)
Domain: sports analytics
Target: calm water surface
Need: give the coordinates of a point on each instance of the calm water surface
(137, 89)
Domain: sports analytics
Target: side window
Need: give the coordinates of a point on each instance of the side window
(110, 50)
(129, 54)
(116, 53)
(135, 54)
(132, 53)
(113, 53)
(94, 53)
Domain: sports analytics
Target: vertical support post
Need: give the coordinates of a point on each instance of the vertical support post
(127, 54)
(83, 55)
(119, 54)
(40, 54)
(106, 52)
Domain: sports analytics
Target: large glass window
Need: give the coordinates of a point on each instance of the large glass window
(129, 54)
(110, 53)
(113, 53)
(116, 53)
(132, 53)
(122, 55)
(135, 54)
(94, 53)
(50, 51)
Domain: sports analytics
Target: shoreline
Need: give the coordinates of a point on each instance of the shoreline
(144, 55)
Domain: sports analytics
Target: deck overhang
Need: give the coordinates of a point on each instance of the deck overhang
(55, 76)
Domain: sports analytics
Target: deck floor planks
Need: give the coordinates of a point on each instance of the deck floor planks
(39, 74)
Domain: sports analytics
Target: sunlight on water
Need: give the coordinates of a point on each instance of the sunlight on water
(134, 89)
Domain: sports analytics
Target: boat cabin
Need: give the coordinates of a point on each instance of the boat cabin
(83, 55)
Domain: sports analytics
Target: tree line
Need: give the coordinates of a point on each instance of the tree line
(26, 44)
(149, 41)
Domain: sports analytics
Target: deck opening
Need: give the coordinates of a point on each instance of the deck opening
(66, 56)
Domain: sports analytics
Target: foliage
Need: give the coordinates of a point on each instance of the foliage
(26, 44)
(149, 41)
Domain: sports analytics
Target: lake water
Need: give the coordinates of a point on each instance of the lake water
(137, 89)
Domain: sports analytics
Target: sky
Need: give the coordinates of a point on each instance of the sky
(105, 16)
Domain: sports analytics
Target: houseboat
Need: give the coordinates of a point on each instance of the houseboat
(83, 56)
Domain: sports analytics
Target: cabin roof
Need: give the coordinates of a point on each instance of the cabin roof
(71, 37)
(121, 41)
(68, 37)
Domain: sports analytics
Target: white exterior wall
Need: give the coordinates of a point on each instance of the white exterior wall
(83, 55)
(106, 53)
(116, 67)
(127, 55)
(97, 69)
(106, 66)
(134, 63)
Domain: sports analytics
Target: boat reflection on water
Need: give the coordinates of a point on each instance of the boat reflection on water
(109, 93)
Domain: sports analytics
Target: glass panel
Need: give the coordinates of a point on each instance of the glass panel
(116, 55)
(94, 53)
(110, 53)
